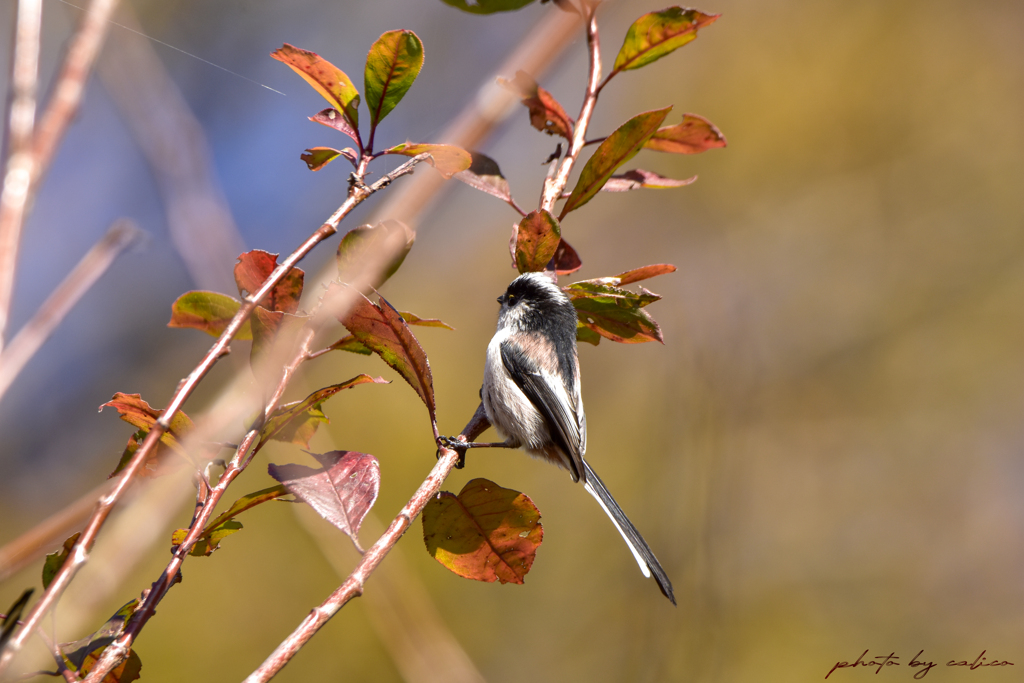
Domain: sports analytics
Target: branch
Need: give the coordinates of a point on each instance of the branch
(555, 185)
(353, 586)
(37, 330)
(20, 163)
(358, 192)
(250, 444)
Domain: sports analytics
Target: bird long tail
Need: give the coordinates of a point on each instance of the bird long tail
(649, 564)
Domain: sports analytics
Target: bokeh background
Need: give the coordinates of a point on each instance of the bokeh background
(825, 454)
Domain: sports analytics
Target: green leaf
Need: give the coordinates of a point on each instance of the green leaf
(447, 159)
(210, 540)
(546, 114)
(617, 149)
(392, 65)
(614, 313)
(486, 533)
(351, 344)
(381, 328)
(537, 239)
(585, 334)
(694, 135)
(54, 561)
(318, 157)
(224, 525)
(413, 319)
(361, 246)
(253, 269)
(484, 175)
(82, 654)
(638, 178)
(209, 312)
(327, 79)
(656, 34)
(297, 422)
(487, 6)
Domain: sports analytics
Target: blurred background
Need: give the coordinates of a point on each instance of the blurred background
(825, 454)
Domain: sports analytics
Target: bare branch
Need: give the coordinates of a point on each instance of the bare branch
(37, 330)
(20, 161)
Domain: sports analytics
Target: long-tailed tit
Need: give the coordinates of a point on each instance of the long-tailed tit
(531, 393)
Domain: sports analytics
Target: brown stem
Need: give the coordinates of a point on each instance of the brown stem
(352, 587)
(18, 169)
(554, 185)
(358, 192)
(37, 330)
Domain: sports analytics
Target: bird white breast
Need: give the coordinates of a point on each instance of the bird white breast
(509, 410)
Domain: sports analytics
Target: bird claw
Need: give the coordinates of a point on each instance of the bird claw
(456, 445)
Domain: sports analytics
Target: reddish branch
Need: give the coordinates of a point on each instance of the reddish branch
(353, 585)
(358, 193)
(555, 185)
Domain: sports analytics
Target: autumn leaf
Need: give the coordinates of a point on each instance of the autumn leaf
(635, 275)
(638, 179)
(656, 34)
(694, 135)
(413, 319)
(447, 159)
(252, 270)
(82, 654)
(486, 533)
(617, 149)
(546, 114)
(614, 313)
(381, 328)
(209, 312)
(483, 174)
(392, 65)
(537, 238)
(318, 157)
(225, 524)
(331, 118)
(297, 422)
(487, 6)
(361, 244)
(341, 491)
(55, 560)
(136, 412)
(567, 261)
(327, 79)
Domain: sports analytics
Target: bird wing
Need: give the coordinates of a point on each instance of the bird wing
(550, 396)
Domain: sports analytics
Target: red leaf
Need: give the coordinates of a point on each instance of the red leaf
(157, 463)
(486, 533)
(639, 178)
(332, 119)
(252, 270)
(327, 79)
(342, 491)
(635, 275)
(537, 240)
(546, 114)
(567, 261)
(381, 328)
(694, 135)
(136, 412)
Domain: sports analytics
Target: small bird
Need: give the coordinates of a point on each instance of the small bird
(531, 394)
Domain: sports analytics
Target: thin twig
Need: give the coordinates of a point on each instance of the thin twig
(62, 106)
(79, 554)
(555, 185)
(37, 330)
(117, 651)
(18, 170)
(352, 587)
